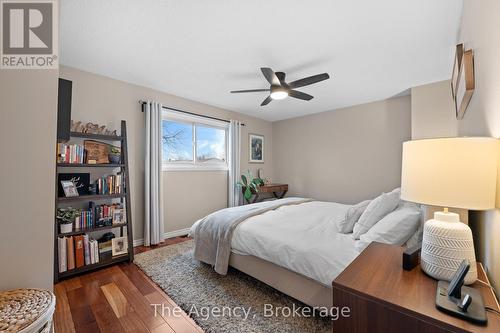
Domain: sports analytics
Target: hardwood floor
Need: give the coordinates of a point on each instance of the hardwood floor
(117, 299)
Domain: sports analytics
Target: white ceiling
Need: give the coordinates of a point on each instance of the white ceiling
(201, 50)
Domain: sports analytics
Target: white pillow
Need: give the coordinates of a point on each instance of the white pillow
(395, 228)
(346, 225)
(403, 204)
(377, 209)
(417, 237)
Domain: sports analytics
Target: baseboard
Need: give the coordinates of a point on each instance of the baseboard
(170, 234)
(176, 233)
(138, 242)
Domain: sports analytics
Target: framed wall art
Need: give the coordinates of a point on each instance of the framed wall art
(457, 65)
(465, 84)
(256, 148)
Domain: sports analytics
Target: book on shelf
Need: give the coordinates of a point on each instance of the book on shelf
(70, 153)
(95, 250)
(61, 242)
(112, 184)
(86, 245)
(70, 253)
(96, 216)
(77, 251)
(92, 253)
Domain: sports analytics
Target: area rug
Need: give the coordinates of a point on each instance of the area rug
(225, 304)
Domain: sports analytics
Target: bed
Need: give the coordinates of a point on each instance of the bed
(295, 248)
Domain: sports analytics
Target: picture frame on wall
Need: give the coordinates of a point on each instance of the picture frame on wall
(465, 84)
(256, 148)
(457, 66)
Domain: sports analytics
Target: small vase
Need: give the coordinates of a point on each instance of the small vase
(114, 159)
(66, 227)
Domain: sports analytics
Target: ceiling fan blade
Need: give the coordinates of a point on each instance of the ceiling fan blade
(249, 90)
(266, 101)
(270, 76)
(300, 95)
(309, 80)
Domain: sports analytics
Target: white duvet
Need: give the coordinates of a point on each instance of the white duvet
(302, 238)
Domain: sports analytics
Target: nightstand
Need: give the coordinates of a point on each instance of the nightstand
(385, 298)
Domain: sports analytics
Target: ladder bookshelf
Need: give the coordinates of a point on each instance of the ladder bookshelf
(105, 259)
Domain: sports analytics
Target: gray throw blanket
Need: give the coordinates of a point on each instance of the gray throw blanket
(213, 234)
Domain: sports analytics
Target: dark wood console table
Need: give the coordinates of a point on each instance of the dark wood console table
(277, 190)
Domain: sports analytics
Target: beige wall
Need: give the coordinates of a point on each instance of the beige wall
(438, 117)
(188, 195)
(191, 199)
(28, 109)
(346, 155)
(479, 31)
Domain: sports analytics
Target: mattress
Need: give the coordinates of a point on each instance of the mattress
(302, 238)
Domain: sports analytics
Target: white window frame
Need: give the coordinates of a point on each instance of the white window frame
(193, 121)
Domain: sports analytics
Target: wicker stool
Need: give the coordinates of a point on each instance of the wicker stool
(26, 310)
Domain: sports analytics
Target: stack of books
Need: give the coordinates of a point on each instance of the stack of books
(77, 251)
(100, 216)
(70, 153)
(110, 214)
(109, 185)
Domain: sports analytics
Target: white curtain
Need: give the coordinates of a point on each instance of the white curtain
(234, 193)
(153, 219)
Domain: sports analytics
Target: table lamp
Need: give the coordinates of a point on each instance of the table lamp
(449, 172)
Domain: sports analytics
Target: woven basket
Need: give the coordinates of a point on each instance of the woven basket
(26, 310)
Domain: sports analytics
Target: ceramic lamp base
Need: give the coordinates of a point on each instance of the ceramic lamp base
(446, 243)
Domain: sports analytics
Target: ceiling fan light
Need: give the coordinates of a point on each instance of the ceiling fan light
(279, 94)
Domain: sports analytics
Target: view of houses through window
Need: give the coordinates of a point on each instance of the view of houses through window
(193, 144)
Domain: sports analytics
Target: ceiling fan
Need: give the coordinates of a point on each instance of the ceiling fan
(280, 89)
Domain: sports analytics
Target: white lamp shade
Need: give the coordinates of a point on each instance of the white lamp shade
(451, 172)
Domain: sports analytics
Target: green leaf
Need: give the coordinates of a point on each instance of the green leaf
(67, 215)
(244, 180)
(248, 193)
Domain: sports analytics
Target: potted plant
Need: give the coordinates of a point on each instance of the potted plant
(66, 218)
(114, 155)
(250, 185)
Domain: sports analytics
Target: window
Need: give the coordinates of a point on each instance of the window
(177, 142)
(210, 144)
(191, 142)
